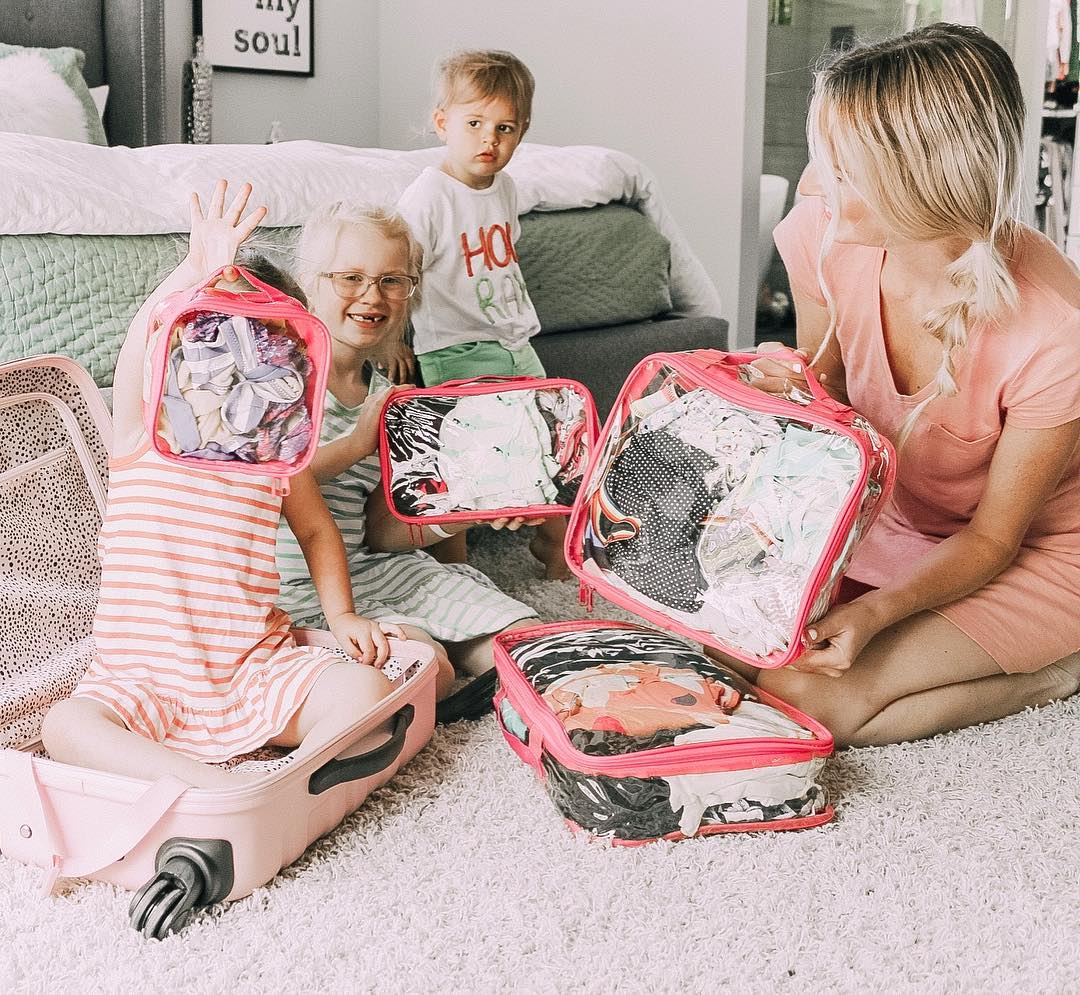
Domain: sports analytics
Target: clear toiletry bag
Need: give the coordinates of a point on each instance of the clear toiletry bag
(237, 379)
(636, 736)
(723, 513)
(486, 448)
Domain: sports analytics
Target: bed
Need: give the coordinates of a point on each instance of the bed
(90, 230)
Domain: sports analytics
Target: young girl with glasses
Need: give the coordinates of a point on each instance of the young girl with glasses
(360, 267)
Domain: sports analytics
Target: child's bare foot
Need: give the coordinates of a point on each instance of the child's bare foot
(551, 555)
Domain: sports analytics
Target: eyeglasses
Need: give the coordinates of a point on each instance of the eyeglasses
(353, 284)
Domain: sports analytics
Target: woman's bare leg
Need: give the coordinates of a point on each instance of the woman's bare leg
(918, 678)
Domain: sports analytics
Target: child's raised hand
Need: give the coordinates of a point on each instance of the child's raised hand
(218, 232)
(365, 639)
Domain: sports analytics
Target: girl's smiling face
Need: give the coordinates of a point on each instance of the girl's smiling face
(363, 323)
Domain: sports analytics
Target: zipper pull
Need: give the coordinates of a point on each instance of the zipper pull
(280, 487)
(585, 595)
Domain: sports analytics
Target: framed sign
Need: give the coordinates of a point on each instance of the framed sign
(262, 36)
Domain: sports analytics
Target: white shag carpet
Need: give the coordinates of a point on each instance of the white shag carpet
(952, 866)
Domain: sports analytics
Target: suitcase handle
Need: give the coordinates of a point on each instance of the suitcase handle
(365, 764)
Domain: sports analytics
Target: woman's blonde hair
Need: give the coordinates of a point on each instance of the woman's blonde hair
(483, 75)
(324, 227)
(927, 127)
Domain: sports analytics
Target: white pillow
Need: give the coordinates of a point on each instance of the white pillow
(100, 94)
(42, 92)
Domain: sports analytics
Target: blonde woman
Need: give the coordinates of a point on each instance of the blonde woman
(955, 329)
(360, 269)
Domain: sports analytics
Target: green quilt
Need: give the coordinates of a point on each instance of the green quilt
(76, 294)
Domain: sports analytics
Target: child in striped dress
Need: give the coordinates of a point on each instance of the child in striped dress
(194, 664)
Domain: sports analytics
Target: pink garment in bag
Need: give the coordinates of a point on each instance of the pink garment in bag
(486, 448)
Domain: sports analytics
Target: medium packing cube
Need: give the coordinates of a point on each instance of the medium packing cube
(487, 448)
(637, 736)
(724, 513)
(726, 516)
(183, 847)
(237, 379)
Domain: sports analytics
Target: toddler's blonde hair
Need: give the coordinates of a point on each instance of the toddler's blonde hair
(484, 75)
(927, 127)
(326, 225)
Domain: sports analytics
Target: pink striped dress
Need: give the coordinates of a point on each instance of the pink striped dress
(190, 650)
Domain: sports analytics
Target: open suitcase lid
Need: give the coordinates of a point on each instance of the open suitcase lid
(54, 431)
(717, 373)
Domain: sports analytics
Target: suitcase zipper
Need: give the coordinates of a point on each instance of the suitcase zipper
(53, 456)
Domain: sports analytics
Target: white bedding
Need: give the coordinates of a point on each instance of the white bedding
(70, 188)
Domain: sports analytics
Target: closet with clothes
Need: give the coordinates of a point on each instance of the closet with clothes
(1058, 142)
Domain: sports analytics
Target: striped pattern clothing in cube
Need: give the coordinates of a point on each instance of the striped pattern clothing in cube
(191, 650)
(452, 602)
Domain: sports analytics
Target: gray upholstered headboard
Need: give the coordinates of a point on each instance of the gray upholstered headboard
(124, 42)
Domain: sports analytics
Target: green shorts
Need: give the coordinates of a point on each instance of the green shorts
(478, 359)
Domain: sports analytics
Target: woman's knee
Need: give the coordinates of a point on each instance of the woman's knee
(833, 701)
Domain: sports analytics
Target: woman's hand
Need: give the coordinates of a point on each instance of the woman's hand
(364, 639)
(780, 376)
(218, 232)
(398, 363)
(840, 636)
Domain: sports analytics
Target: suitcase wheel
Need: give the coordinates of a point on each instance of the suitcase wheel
(191, 874)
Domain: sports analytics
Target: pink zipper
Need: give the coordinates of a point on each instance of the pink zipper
(686, 758)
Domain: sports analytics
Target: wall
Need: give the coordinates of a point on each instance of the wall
(338, 104)
(672, 86)
(681, 94)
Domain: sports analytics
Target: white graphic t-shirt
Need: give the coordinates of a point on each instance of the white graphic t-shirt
(473, 289)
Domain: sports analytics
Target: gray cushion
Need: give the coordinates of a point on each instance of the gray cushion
(593, 266)
(601, 358)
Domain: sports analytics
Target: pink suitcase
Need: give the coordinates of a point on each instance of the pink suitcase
(636, 735)
(184, 848)
(414, 428)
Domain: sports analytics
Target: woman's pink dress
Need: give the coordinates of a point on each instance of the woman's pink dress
(1025, 371)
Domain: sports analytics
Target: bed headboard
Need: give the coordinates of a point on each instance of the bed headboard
(124, 42)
